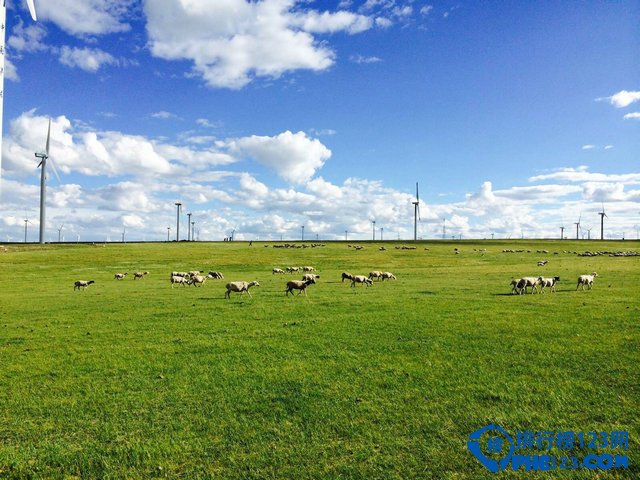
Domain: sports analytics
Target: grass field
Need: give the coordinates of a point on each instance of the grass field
(134, 379)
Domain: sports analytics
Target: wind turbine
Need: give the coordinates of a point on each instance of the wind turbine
(60, 232)
(26, 221)
(562, 232)
(416, 214)
(602, 215)
(577, 224)
(43, 183)
(589, 232)
(3, 27)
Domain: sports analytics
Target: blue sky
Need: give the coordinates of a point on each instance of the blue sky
(515, 117)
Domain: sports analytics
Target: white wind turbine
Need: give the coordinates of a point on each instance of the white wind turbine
(3, 27)
(43, 183)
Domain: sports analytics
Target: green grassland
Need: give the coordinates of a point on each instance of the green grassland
(135, 379)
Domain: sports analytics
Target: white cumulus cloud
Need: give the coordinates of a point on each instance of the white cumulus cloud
(88, 59)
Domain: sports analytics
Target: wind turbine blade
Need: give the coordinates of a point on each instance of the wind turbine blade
(48, 138)
(32, 10)
(55, 170)
(418, 206)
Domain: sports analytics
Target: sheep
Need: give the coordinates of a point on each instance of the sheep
(82, 284)
(310, 276)
(180, 274)
(388, 276)
(240, 287)
(197, 280)
(120, 276)
(298, 285)
(542, 263)
(308, 269)
(346, 275)
(293, 269)
(533, 282)
(361, 279)
(177, 279)
(515, 288)
(277, 271)
(586, 280)
(375, 274)
(139, 275)
(548, 282)
(193, 273)
(216, 275)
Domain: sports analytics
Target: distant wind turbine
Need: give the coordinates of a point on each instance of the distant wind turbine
(3, 26)
(416, 214)
(602, 215)
(60, 232)
(577, 224)
(43, 182)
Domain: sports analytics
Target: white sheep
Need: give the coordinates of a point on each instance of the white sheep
(533, 282)
(361, 279)
(197, 280)
(139, 275)
(586, 280)
(388, 276)
(308, 269)
(298, 285)
(177, 279)
(240, 287)
(216, 275)
(375, 274)
(180, 274)
(82, 284)
(120, 276)
(310, 276)
(346, 275)
(548, 282)
(277, 271)
(542, 263)
(193, 273)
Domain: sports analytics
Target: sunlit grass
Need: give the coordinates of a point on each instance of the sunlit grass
(134, 379)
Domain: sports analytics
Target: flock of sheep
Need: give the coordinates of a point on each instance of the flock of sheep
(538, 284)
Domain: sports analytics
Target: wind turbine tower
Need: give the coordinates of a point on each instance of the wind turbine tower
(602, 215)
(3, 26)
(562, 233)
(577, 224)
(416, 214)
(60, 232)
(43, 183)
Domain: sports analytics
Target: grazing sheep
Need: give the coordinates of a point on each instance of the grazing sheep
(375, 274)
(388, 276)
(197, 280)
(515, 285)
(586, 280)
(82, 284)
(542, 263)
(310, 276)
(240, 287)
(308, 269)
(533, 282)
(277, 271)
(193, 273)
(120, 276)
(346, 275)
(177, 279)
(361, 279)
(139, 275)
(180, 274)
(216, 275)
(298, 285)
(548, 282)
(293, 269)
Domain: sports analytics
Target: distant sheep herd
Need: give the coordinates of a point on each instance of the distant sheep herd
(519, 286)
